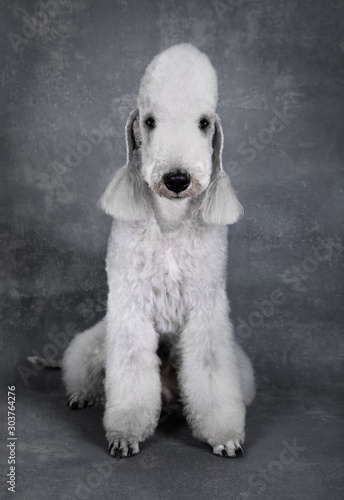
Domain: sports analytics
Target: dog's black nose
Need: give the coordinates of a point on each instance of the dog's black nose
(176, 181)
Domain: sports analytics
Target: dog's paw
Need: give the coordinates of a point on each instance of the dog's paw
(77, 401)
(122, 448)
(232, 449)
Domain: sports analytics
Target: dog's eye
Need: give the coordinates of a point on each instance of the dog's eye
(150, 122)
(203, 123)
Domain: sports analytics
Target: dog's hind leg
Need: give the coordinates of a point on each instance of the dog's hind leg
(83, 367)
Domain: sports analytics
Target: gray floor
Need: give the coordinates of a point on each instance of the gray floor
(294, 449)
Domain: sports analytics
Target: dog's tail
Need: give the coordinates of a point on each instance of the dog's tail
(46, 362)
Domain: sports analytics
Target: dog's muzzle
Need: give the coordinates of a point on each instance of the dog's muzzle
(177, 181)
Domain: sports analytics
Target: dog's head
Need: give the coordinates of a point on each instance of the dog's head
(174, 141)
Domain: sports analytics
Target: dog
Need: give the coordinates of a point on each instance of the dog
(167, 331)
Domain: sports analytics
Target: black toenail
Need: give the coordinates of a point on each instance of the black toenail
(239, 452)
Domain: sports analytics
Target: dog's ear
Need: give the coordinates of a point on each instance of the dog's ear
(124, 196)
(220, 204)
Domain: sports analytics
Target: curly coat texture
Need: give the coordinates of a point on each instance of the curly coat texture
(166, 267)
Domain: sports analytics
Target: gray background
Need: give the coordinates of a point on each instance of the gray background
(81, 64)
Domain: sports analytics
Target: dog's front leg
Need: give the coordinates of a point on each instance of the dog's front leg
(132, 381)
(209, 379)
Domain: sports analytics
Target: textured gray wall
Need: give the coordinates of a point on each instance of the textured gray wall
(70, 67)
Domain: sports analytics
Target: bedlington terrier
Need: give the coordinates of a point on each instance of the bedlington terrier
(167, 330)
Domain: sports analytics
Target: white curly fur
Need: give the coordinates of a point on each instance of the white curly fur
(166, 266)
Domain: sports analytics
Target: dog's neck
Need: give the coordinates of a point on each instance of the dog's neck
(171, 214)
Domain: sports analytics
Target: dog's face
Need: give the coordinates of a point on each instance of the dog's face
(174, 142)
(175, 149)
(176, 123)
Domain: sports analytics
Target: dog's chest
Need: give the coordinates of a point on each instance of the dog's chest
(162, 272)
(167, 269)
